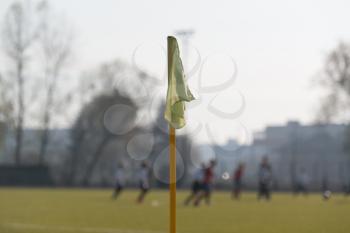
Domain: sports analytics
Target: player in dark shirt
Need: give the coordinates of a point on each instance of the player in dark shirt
(237, 181)
(207, 184)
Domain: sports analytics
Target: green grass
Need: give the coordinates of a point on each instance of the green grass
(92, 211)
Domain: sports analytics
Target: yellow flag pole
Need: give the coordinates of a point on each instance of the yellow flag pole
(177, 94)
(172, 165)
(172, 185)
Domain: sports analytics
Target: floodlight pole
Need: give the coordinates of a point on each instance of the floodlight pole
(185, 36)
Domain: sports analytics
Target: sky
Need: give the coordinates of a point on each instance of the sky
(276, 48)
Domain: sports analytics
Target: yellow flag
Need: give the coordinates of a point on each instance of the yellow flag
(178, 91)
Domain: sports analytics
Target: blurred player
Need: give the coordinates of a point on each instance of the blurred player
(206, 184)
(143, 177)
(265, 179)
(303, 181)
(347, 189)
(237, 181)
(196, 184)
(119, 181)
(326, 194)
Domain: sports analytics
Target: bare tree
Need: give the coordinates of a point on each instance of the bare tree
(91, 134)
(79, 133)
(335, 79)
(19, 34)
(6, 108)
(109, 84)
(55, 45)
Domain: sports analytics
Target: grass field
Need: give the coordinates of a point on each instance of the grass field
(92, 211)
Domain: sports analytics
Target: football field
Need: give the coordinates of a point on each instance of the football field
(93, 211)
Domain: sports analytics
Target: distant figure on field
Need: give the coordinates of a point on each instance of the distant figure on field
(303, 181)
(347, 189)
(206, 185)
(237, 181)
(196, 184)
(119, 181)
(143, 177)
(265, 179)
(326, 192)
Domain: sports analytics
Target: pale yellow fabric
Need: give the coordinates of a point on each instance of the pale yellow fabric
(178, 91)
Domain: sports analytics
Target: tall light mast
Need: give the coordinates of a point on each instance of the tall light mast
(185, 36)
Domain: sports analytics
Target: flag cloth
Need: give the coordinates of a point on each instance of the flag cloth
(178, 91)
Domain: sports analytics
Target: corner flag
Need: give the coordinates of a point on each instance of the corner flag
(177, 94)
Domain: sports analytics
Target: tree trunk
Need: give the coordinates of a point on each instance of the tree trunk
(21, 112)
(75, 154)
(96, 157)
(47, 117)
(43, 146)
(45, 135)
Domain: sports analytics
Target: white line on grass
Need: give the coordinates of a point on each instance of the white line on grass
(24, 226)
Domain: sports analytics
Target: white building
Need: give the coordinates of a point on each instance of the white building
(317, 149)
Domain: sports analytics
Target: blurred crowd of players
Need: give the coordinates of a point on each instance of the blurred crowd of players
(203, 180)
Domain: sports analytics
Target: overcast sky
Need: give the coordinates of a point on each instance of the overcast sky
(278, 47)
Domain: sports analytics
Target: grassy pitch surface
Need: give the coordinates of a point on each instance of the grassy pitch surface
(93, 211)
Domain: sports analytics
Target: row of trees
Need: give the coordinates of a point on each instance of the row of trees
(108, 101)
(37, 47)
(335, 80)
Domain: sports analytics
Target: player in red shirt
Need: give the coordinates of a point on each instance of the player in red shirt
(207, 184)
(237, 181)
